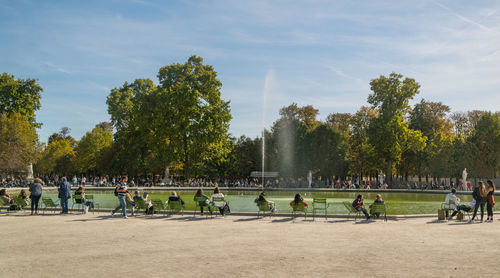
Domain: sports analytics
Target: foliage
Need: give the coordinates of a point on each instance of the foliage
(20, 96)
(92, 149)
(18, 142)
(57, 159)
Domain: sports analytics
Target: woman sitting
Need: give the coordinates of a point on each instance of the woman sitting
(262, 200)
(203, 200)
(24, 196)
(222, 206)
(6, 197)
(297, 200)
(88, 204)
(358, 205)
(174, 198)
(138, 198)
(378, 200)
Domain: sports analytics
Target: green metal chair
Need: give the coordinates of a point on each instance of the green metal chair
(200, 202)
(219, 200)
(297, 208)
(158, 206)
(320, 204)
(78, 201)
(141, 204)
(20, 203)
(379, 208)
(4, 203)
(264, 208)
(48, 203)
(352, 210)
(450, 206)
(91, 198)
(175, 206)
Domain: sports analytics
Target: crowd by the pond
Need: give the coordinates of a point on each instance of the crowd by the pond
(483, 194)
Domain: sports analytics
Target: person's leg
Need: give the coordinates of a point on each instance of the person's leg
(36, 200)
(489, 209)
(117, 208)
(201, 210)
(32, 204)
(475, 212)
(221, 211)
(482, 211)
(454, 213)
(123, 205)
(365, 213)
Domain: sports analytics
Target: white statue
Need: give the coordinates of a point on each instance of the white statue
(464, 176)
(381, 177)
(30, 176)
(310, 178)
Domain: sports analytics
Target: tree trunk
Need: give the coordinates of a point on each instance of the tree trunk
(186, 159)
(388, 174)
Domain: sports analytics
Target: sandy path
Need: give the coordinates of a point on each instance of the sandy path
(237, 246)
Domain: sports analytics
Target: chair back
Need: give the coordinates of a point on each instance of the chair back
(77, 198)
(89, 197)
(319, 202)
(3, 201)
(140, 204)
(158, 204)
(19, 202)
(264, 206)
(48, 202)
(349, 206)
(298, 207)
(175, 205)
(200, 200)
(378, 208)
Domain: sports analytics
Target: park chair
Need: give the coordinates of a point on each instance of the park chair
(219, 202)
(200, 202)
(380, 209)
(320, 204)
(300, 207)
(90, 197)
(4, 203)
(141, 204)
(158, 206)
(264, 208)
(352, 210)
(78, 201)
(175, 206)
(48, 203)
(20, 203)
(450, 207)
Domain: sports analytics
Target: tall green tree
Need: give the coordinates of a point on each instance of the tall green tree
(389, 133)
(18, 141)
(92, 149)
(57, 159)
(362, 157)
(485, 146)
(20, 96)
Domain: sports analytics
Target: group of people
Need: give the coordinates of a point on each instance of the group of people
(482, 195)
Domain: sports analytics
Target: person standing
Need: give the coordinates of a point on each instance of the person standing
(64, 195)
(121, 192)
(36, 194)
(490, 198)
(479, 194)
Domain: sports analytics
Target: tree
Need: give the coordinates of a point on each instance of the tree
(92, 150)
(485, 146)
(362, 158)
(389, 132)
(57, 159)
(18, 140)
(197, 117)
(20, 96)
(63, 135)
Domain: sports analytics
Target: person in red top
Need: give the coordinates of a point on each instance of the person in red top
(297, 200)
(358, 205)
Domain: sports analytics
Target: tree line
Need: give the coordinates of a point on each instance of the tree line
(180, 127)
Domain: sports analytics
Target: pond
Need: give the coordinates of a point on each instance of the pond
(243, 201)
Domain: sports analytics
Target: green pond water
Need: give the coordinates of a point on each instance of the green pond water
(243, 201)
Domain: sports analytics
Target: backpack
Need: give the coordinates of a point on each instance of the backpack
(116, 191)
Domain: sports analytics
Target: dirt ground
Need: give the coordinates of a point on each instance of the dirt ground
(97, 245)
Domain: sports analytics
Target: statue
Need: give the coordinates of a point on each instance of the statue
(30, 176)
(381, 178)
(310, 178)
(464, 176)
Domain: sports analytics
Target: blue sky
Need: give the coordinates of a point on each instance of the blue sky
(322, 53)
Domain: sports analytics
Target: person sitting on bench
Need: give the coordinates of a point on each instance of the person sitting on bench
(452, 197)
(466, 208)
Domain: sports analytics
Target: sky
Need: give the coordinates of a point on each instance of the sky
(267, 54)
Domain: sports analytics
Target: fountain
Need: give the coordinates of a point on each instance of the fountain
(267, 88)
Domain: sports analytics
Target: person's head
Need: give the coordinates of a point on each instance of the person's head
(298, 198)
(137, 193)
(453, 190)
(63, 179)
(80, 189)
(22, 193)
(216, 190)
(199, 192)
(359, 197)
(490, 184)
(38, 180)
(174, 193)
(262, 196)
(379, 197)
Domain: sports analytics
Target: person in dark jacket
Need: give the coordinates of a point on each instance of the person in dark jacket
(36, 194)
(479, 194)
(64, 195)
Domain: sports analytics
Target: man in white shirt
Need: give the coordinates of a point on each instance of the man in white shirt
(454, 204)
